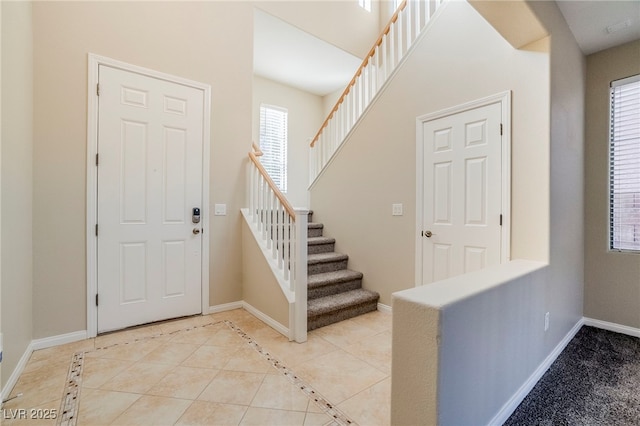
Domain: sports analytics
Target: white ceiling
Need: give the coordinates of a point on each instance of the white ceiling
(288, 55)
(599, 25)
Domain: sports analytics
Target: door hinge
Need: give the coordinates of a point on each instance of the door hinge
(96, 229)
(96, 299)
(98, 89)
(500, 220)
(500, 129)
(97, 159)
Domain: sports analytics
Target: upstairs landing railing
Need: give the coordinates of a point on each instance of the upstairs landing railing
(387, 53)
(283, 232)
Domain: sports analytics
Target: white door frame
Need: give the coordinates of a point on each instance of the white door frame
(92, 178)
(504, 99)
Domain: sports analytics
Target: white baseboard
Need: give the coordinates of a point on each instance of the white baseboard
(511, 405)
(611, 326)
(15, 375)
(266, 319)
(384, 308)
(48, 342)
(225, 307)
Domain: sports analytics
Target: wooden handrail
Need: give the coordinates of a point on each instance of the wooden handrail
(365, 62)
(253, 155)
(256, 149)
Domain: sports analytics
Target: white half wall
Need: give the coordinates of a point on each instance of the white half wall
(463, 346)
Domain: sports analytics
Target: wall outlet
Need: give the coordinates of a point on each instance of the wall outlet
(546, 321)
(396, 209)
(220, 210)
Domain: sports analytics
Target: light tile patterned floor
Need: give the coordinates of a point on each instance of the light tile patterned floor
(222, 369)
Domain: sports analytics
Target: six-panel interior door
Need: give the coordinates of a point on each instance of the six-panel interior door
(462, 193)
(150, 140)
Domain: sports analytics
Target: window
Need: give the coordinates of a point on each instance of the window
(365, 4)
(273, 143)
(624, 165)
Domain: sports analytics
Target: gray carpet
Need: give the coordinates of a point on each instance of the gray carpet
(334, 292)
(595, 381)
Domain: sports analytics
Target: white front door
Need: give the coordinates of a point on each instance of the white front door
(462, 201)
(150, 171)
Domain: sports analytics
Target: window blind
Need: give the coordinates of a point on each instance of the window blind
(273, 143)
(624, 165)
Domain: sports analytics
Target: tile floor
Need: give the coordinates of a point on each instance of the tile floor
(204, 371)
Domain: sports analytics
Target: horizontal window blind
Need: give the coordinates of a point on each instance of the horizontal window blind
(273, 143)
(624, 165)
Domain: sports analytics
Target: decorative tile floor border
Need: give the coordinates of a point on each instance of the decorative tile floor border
(71, 397)
(339, 418)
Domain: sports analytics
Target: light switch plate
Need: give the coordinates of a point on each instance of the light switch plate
(220, 210)
(396, 210)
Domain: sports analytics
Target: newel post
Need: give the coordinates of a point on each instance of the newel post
(300, 278)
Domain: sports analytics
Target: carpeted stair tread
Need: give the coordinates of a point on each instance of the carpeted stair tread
(334, 277)
(314, 225)
(313, 241)
(313, 259)
(338, 302)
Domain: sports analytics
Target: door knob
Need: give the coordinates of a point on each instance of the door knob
(196, 231)
(428, 234)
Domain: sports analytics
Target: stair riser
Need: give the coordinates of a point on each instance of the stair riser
(321, 248)
(314, 232)
(328, 290)
(319, 268)
(341, 315)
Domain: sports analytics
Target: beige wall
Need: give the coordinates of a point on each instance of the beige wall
(377, 165)
(500, 317)
(191, 40)
(17, 144)
(1, 382)
(260, 288)
(342, 23)
(565, 285)
(304, 118)
(612, 279)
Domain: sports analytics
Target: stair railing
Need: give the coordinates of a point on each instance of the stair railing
(387, 53)
(284, 231)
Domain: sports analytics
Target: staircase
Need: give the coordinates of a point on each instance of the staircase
(334, 293)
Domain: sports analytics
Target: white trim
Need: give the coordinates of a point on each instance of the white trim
(510, 406)
(504, 99)
(384, 308)
(92, 140)
(61, 339)
(15, 375)
(225, 307)
(623, 81)
(266, 319)
(611, 326)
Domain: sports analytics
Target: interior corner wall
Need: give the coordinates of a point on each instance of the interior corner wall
(16, 168)
(461, 59)
(565, 287)
(304, 117)
(209, 42)
(612, 279)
